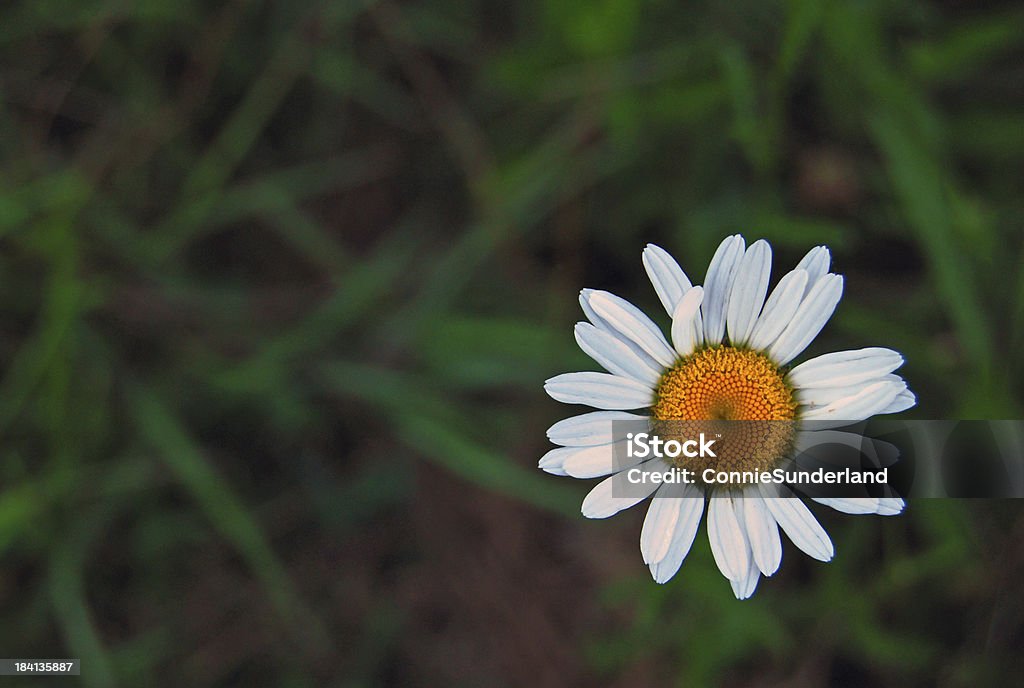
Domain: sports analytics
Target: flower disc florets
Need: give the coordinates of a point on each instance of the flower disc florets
(736, 394)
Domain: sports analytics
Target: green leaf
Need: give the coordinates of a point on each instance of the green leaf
(167, 437)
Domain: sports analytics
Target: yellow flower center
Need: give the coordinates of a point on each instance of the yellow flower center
(713, 388)
(724, 383)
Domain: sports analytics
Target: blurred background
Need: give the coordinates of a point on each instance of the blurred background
(281, 283)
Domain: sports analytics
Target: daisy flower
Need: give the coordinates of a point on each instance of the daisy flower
(729, 358)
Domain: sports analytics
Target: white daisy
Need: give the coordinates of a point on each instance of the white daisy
(728, 359)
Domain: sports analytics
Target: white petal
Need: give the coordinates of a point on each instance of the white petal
(762, 532)
(668, 278)
(816, 397)
(606, 499)
(728, 543)
(600, 390)
(746, 586)
(631, 322)
(684, 319)
(594, 462)
(589, 311)
(814, 312)
(902, 402)
(890, 506)
(842, 368)
(748, 290)
(614, 355)
(602, 324)
(690, 511)
(850, 505)
(882, 506)
(816, 263)
(589, 429)
(866, 403)
(800, 525)
(718, 285)
(660, 523)
(552, 462)
(779, 309)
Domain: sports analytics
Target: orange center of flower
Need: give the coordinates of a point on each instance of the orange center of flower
(737, 395)
(724, 383)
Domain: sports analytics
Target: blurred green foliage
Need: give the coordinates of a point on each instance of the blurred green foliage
(275, 272)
